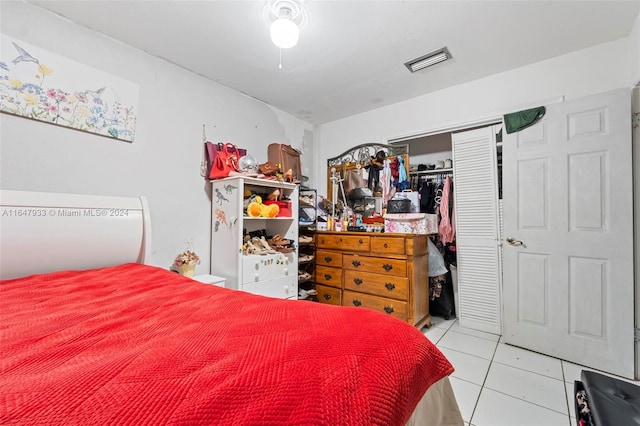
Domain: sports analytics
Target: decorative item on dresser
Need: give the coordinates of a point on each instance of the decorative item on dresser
(307, 217)
(386, 272)
(266, 271)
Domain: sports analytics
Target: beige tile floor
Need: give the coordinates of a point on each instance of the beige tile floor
(497, 384)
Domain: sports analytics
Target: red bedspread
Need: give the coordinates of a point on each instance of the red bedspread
(138, 345)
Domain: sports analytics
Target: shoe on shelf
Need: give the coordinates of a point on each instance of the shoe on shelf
(285, 249)
(258, 233)
(262, 243)
(307, 200)
(303, 276)
(305, 294)
(252, 248)
(277, 240)
(305, 239)
(305, 258)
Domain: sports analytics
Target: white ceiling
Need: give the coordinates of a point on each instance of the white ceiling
(351, 53)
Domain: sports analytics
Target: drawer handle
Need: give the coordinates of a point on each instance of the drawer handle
(360, 241)
(356, 302)
(388, 309)
(387, 267)
(356, 263)
(326, 296)
(386, 245)
(328, 258)
(358, 281)
(340, 239)
(390, 286)
(327, 276)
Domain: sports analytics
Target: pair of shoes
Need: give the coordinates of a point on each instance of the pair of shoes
(259, 233)
(305, 258)
(278, 240)
(259, 246)
(305, 239)
(303, 276)
(304, 294)
(307, 200)
(281, 244)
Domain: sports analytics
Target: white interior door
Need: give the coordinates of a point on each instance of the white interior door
(568, 273)
(477, 229)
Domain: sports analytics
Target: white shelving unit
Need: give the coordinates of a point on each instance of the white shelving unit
(274, 275)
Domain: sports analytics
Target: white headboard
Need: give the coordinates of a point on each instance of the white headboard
(44, 232)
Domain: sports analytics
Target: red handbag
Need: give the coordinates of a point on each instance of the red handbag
(211, 151)
(226, 161)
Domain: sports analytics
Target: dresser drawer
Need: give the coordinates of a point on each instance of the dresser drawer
(387, 245)
(344, 242)
(381, 285)
(329, 258)
(329, 276)
(378, 265)
(389, 306)
(329, 295)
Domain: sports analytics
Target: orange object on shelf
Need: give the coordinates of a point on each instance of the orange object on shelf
(285, 207)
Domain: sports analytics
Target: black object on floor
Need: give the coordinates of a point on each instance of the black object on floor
(441, 302)
(611, 401)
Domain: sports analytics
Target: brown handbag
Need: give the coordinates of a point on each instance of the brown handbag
(268, 168)
(286, 158)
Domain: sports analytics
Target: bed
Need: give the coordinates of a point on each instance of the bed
(106, 339)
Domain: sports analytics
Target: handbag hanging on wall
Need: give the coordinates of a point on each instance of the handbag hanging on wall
(225, 162)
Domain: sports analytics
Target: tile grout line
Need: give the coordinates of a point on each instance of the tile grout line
(475, 407)
(566, 394)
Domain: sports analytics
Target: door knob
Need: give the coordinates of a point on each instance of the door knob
(514, 242)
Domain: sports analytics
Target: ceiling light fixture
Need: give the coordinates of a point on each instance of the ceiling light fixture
(284, 32)
(428, 60)
(285, 19)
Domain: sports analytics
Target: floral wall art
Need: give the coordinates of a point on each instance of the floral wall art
(41, 85)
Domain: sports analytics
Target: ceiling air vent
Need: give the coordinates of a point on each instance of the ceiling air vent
(428, 60)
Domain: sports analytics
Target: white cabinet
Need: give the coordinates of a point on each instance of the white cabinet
(274, 275)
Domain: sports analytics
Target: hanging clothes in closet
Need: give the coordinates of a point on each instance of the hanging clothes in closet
(436, 197)
(386, 181)
(446, 228)
(430, 188)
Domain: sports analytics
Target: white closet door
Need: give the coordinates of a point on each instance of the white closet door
(477, 228)
(568, 261)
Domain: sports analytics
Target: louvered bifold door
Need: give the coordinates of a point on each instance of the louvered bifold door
(477, 229)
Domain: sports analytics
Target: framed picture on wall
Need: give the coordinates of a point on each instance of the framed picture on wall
(41, 85)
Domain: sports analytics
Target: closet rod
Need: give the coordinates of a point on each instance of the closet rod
(436, 176)
(431, 172)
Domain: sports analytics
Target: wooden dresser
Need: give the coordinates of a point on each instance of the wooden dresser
(385, 272)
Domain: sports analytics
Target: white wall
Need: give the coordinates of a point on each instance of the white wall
(163, 162)
(634, 40)
(430, 149)
(593, 70)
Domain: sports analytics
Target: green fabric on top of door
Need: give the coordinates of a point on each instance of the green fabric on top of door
(519, 120)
